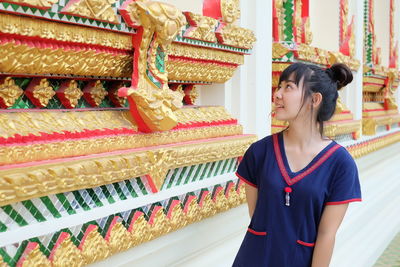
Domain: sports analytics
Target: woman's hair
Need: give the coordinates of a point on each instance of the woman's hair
(317, 80)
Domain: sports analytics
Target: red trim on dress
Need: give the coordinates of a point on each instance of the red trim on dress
(305, 243)
(343, 202)
(256, 232)
(245, 180)
(297, 178)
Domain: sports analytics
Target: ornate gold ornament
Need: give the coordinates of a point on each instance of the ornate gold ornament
(40, 4)
(186, 70)
(69, 93)
(73, 148)
(31, 27)
(192, 52)
(119, 239)
(202, 27)
(374, 145)
(66, 253)
(9, 92)
(95, 9)
(152, 107)
(279, 50)
(24, 183)
(333, 128)
(47, 121)
(25, 59)
(40, 92)
(94, 93)
(230, 10)
(233, 35)
(32, 256)
(94, 247)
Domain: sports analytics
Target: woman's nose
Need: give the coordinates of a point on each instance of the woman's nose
(277, 93)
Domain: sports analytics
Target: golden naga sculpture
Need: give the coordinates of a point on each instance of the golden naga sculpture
(152, 104)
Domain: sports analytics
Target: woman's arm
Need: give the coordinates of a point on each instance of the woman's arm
(332, 217)
(251, 197)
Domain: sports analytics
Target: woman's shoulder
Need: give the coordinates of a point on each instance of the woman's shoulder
(262, 144)
(343, 156)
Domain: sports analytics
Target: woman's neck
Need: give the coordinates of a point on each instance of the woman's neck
(302, 134)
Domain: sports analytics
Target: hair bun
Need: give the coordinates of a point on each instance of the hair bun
(340, 73)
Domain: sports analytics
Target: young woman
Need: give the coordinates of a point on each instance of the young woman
(298, 182)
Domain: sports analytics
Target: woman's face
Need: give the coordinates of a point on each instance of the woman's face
(288, 100)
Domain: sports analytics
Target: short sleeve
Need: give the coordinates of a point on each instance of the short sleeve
(345, 186)
(246, 168)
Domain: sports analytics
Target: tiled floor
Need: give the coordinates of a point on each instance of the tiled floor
(391, 255)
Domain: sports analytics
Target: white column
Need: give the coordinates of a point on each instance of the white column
(355, 97)
(255, 77)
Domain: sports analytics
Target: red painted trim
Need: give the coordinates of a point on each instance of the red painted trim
(216, 192)
(153, 214)
(89, 229)
(171, 207)
(151, 183)
(188, 201)
(110, 227)
(202, 197)
(29, 247)
(245, 180)
(228, 188)
(297, 178)
(212, 8)
(305, 243)
(256, 232)
(343, 202)
(60, 239)
(136, 215)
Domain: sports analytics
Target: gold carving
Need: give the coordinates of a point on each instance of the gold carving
(233, 35)
(94, 248)
(9, 92)
(197, 71)
(35, 152)
(35, 3)
(230, 10)
(154, 105)
(333, 129)
(73, 93)
(140, 232)
(95, 9)
(2, 263)
(189, 51)
(23, 183)
(16, 58)
(208, 208)
(67, 254)
(202, 27)
(177, 219)
(279, 50)
(43, 92)
(26, 26)
(35, 257)
(160, 224)
(298, 21)
(120, 238)
(25, 123)
(95, 93)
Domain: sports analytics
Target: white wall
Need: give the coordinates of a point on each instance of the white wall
(382, 12)
(324, 22)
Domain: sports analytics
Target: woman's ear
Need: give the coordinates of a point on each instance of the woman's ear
(316, 99)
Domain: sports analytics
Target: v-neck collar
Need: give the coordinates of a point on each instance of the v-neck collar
(294, 177)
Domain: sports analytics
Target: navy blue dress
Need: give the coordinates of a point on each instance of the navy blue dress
(281, 235)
